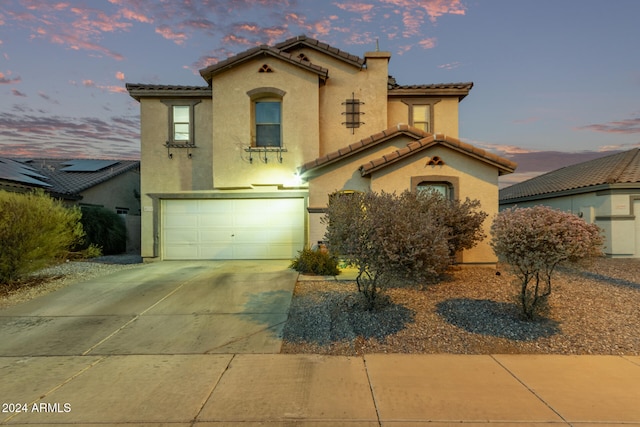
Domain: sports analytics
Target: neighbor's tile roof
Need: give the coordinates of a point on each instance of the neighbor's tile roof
(262, 50)
(55, 179)
(303, 40)
(138, 90)
(422, 140)
(620, 168)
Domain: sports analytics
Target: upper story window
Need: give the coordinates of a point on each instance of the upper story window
(421, 117)
(268, 122)
(266, 116)
(421, 113)
(181, 121)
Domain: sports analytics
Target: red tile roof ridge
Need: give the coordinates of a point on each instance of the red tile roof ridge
(363, 144)
(505, 165)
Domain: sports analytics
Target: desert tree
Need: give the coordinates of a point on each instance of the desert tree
(534, 241)
(411, 237)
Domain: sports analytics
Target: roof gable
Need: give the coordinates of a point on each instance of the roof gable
(362, 145)
(422, 140)
(504, 166)
(304, 41)
(619, 168)
(209, 72)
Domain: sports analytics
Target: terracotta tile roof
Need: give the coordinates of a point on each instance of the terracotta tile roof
(438, 89)
(138, 90)
(504, 166)
(362, 145)
(303, 40)
(620, 168)
(422, 140)
(52, 174)
(262, 50)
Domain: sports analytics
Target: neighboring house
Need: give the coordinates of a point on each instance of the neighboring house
(111, 184)
(243, 167)
(604, 191)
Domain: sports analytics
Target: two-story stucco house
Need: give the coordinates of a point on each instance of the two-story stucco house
(243, 167)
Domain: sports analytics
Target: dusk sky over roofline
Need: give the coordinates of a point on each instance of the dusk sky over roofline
(555, 82)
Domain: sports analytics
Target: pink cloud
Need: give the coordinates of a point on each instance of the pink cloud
(437, 8)
(6, 80)
(89, 83)
(135, 16)
(429, 43)
(355, 7)
(120, 75)
(449, 66)
(166, 32)
(619, 147)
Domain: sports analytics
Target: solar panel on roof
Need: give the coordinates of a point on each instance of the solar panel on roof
(11, 170)
(85, 165)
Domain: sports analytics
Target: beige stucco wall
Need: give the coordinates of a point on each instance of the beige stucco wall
(161, 174)
(232, 123)
(476, 180)
(445, 114)
(368, 85)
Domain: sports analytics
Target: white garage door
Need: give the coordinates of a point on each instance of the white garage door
(232, 228)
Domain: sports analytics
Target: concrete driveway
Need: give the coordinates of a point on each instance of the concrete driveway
(159, 308)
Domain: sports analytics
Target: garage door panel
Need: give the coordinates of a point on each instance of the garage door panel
(216, 219)
(215, 236)
(181, 236)
(216, 251)
(181, 252)
(232, 228)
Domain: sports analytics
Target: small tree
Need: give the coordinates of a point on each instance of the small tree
(409, 237)
(34, 229)
(534, 241)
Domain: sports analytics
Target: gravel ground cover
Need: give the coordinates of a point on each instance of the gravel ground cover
(592, 311)
(58, 276)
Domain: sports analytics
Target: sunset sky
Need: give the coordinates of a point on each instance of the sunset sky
(555, 81)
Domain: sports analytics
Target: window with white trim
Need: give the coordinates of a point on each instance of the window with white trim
(181, 121)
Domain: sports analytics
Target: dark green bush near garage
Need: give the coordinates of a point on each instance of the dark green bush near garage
(105, 229)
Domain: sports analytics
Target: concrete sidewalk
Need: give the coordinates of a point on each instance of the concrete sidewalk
(311, 390)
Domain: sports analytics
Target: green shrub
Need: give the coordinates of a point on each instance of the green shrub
(104, 229)
(34, 230)
(318, 262)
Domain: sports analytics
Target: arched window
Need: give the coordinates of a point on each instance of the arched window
(266, 114)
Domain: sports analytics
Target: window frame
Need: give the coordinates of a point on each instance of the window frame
(171, 104)
(431, 102)
(266, 124)
(266, 94)
(452, 183)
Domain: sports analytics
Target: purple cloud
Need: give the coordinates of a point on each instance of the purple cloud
(622, 126)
